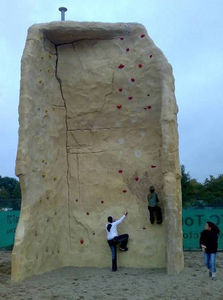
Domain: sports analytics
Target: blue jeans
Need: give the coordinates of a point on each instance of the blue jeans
(122, 240)
(210, 261)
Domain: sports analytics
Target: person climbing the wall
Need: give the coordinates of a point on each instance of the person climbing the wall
(209, 245)
(154, 209)
(114, 239)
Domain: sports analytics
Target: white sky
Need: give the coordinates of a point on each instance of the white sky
(189, 32)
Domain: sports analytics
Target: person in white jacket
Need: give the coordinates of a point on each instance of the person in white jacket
(114, 239)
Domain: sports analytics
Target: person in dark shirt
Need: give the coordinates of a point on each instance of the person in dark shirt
(209, 245)
(154, 209)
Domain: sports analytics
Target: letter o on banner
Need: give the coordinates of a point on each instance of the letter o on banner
(189, 221)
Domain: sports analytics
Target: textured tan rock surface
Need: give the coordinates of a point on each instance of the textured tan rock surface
(97, 128)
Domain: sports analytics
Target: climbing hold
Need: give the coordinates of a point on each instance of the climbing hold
(121, 66)
(76, 200)
(144, 228)
(130, 98)
(54, 178)
(140, 65)
(87, 213)
(124, 191)
(42, 57)
(152, 166)
(121, 38)
(148, 95)
(120, 171)
(47, 197)
(81, 241)
(150, 56)
(120, 90)
(132, 79)
(136, 178)
(127, 49)
(142, 36)
(43, 160)
(149, 106)
(102, 201)
(43, 175)
(119, 106)
(46, 111)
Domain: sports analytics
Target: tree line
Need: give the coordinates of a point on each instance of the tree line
(193, 192)
(9, 188)
(201, 194)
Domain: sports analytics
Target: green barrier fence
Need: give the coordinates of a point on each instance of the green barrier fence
(8, 224)
(194, 220)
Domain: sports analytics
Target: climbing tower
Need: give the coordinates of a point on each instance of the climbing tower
(98, 126)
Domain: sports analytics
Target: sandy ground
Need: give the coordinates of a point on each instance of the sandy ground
(91, 283)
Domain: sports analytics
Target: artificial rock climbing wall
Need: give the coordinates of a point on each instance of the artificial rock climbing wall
(97, 128)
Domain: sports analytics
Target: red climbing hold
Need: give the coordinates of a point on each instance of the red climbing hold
(149, 106)
(127, 49)
(152, 166)
(150, 56)
(120, 171)
(132, 79)
(140, 65)
(142, 36)
(121, 38)
(124, 191)
(130, 98)
(81, 241)
(102, 201)
(119, 106)
(136, 178)
(120, 90)
(121, 66)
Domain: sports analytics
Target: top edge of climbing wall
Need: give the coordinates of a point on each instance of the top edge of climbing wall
(70, 31)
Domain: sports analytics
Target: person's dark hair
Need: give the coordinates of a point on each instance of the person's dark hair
(152, 189)
(110, 219)
(213, 227)
(109, 226)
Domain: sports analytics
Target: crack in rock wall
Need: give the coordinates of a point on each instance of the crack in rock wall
(99, 101)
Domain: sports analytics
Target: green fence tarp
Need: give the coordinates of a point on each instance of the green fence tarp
(8, 224)
(194, 220)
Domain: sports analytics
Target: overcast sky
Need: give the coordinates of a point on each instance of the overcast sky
(189, 32)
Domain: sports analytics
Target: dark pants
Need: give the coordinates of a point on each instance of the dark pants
(122, 240)
(155, 211)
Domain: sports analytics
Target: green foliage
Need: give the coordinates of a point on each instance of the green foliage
(196, 193)
(9, 188)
